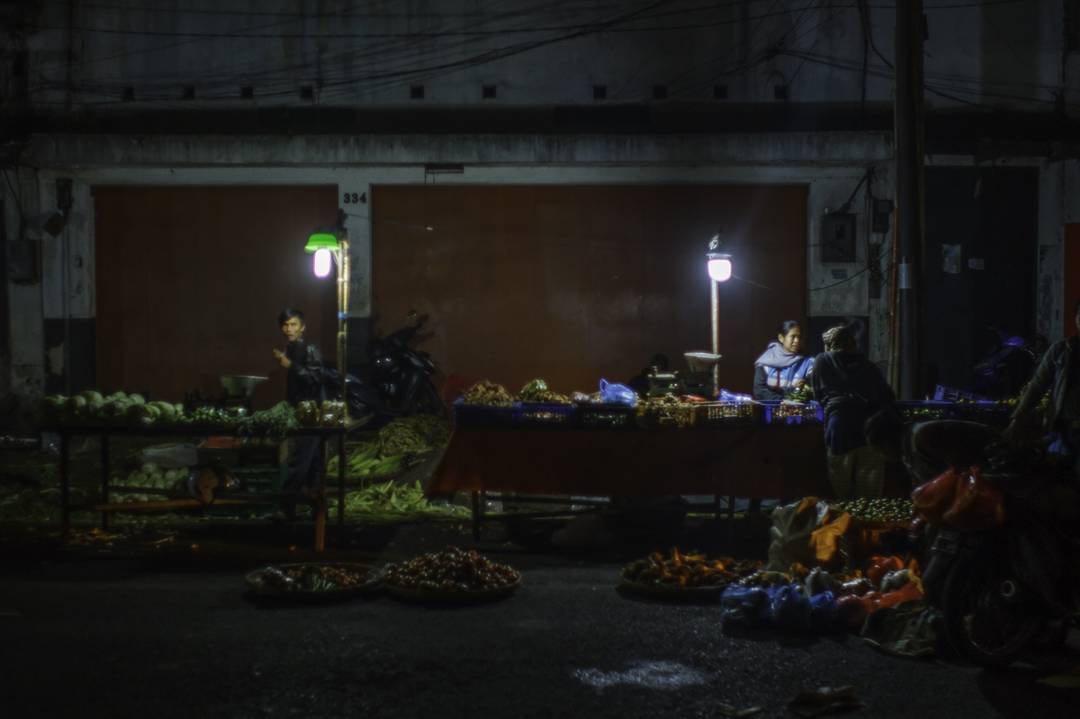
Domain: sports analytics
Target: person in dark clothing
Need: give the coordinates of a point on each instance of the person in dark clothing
(303, 363)
(780, 370)
(1059, 373)
(860, 415)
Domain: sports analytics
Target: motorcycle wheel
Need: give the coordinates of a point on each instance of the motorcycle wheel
(982, 623)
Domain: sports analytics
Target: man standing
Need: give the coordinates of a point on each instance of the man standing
(860, 416)
(304, 382)
(1059, 372)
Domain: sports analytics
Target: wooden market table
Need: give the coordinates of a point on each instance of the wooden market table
(223, 499)
(737, 460)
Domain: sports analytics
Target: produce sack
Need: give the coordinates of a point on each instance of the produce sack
(824, 612)
(788, 607)
(614, 393)
(792, 528)
(826, 539)
(935, 497)
(977, 505)
(744, 606)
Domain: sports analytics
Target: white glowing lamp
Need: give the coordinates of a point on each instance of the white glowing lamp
(720, 266)
(720, 269)
(323, 263)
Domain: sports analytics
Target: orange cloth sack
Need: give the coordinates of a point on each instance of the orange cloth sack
(826, 539)
(978, 505)
(935, 498)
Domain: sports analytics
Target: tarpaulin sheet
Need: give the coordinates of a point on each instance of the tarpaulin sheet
(744, 461)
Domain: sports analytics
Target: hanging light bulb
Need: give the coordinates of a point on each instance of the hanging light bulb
(324, 262)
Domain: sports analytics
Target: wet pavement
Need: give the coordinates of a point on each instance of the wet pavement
(133, 637)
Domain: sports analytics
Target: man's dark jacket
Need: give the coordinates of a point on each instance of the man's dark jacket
(851, 388)
(305, 374)
(1052, 373)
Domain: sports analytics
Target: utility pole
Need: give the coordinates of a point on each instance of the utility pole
(908, 141)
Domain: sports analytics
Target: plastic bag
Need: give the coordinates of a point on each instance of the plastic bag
(823, 613)
(614, 393)
(788, 607)
(935, 497)
(977, 505)
(826, 539)
(792, 530)
(726, 396)
(746, 606)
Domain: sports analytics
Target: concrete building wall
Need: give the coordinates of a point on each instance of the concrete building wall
(373, 54)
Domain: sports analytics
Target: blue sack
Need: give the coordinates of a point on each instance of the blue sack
(788, 607)
(613, 393)
(744, 605)
(823, 612)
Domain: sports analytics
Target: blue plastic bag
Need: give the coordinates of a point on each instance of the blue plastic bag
(613, 393)
(726, 396)
(788, 607)
(747, 606)
(823, 612)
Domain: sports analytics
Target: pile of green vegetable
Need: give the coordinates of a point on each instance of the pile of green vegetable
(537, 390)
(150, 476)
(488, 394)
(277, 421)
(392, 501)
(120, 409)
(364, 462)
(92, 407)
(397, 445)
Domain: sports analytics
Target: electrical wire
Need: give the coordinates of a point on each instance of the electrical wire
(291, 81)
(487, 56)
(932, 87)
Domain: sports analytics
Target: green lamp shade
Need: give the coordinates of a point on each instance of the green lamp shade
(321, 241)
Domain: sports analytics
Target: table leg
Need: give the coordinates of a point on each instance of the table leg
(104, 479)
(65, 508)
(476, 518)
(320, 522)
(341, 480)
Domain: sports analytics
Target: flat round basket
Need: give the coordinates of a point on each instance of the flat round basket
(440, 596)
(671, 592)
(260, 587)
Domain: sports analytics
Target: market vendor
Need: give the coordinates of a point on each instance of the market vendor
(861, 422)
(1058, 372)
(780, 370)
(303, 362)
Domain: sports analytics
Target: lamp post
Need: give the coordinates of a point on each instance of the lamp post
(329, 247)
(720, 268)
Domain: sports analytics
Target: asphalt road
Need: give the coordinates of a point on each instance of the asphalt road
(120, 637)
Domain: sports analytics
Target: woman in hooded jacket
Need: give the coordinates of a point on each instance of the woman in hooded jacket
(780, 370)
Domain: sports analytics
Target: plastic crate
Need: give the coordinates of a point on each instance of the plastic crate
(925, 410)
(482, 416)
(992, 413)
(677, 416)
(781, 413)
(607, 416)
(543, 414)
(728, 412)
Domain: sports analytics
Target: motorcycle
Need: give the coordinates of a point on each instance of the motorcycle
(397, 382)
(1004, 370)
(999, 588)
